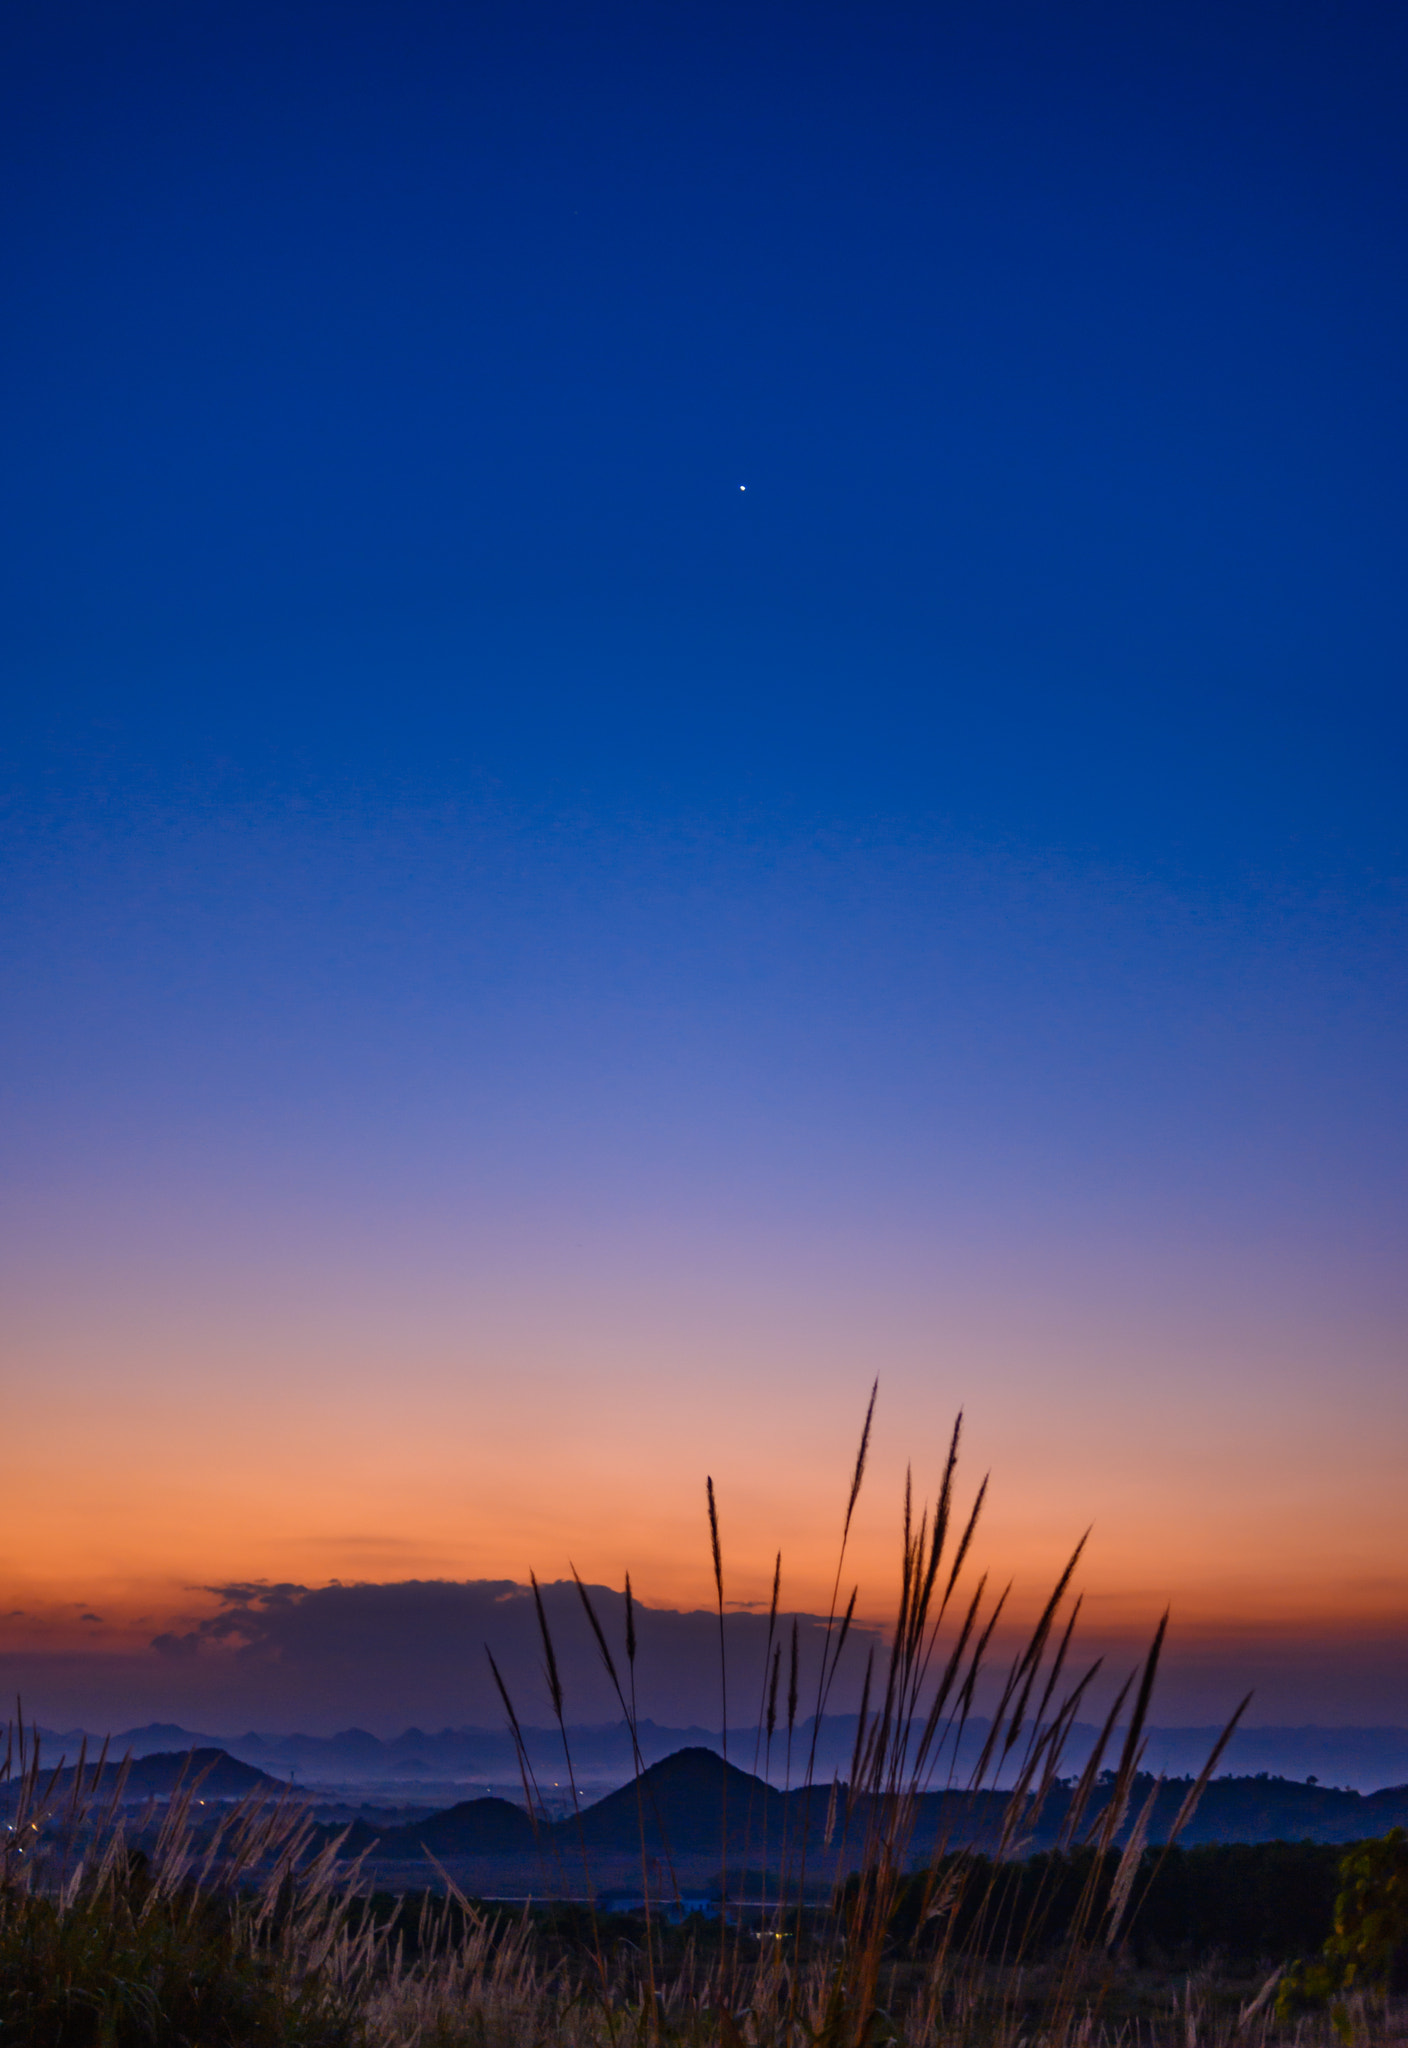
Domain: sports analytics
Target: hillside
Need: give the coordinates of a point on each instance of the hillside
(676, 1810)
(475, 1827)
(221, 1776)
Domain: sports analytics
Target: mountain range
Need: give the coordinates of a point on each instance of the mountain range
(421, 1765)
(692, 1814)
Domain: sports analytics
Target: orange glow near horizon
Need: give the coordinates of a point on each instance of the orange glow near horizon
(160, 1482)
(304, 1417)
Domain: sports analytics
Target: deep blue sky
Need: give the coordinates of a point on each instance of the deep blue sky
(962, 868)
(380, 382)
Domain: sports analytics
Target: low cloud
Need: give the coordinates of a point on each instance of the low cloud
(415, 1650)
(175, 1646)
(385, 1656)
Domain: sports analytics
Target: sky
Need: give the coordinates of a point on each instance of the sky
(700, 703)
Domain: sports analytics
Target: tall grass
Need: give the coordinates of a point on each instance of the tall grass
(248, 1931)
(167, 1932)
(846, 1981)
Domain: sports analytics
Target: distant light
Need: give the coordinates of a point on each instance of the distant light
(743, 487)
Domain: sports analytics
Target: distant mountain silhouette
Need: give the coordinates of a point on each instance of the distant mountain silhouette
(602, 1754)
(680, 1806)
(679, 1803)
(160, 1737)
(1266, 1809)
(157, 1777)
(676, 1810)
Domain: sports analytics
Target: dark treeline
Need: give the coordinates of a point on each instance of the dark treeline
(1244, 1903)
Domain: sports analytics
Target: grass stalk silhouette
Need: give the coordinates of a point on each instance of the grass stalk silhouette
(917, 1702)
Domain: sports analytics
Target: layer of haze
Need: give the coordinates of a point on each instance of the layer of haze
(533, 970)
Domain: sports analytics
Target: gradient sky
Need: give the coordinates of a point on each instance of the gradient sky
(701, 700)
